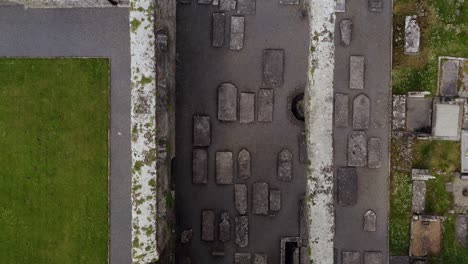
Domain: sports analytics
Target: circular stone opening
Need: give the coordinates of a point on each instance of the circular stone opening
(465, 192)
(297, 107)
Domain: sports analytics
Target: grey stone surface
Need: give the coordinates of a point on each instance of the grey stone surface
(419, 114)
(375, 5)
(246, 7)
(219, 22)
(302, 141)
(374, 154)
(289, 2)
(241, 198)
(340, 6)
(449, 78)
(347, 185)
(341, 110)
(361, 112)
(370, 221)
(201, 131)
(285, 165)
(227, 5)
(461, 229)
(260, 259)
(399, 112)
(200, 166)
(449, 186)
(247, 108)
(242, 231)
(225, 227)
(227, 102)
(260, 198)
(186, 236)
(273, 67)
(208, 225)
(357, 149)
(419, 197)
(412, 35)
(265, 105)
(350, 257)
(237, 33)
(242, 258)
(446, 121)
(460, 199)
(399, 260)
(346, 29)
(373, 257)
(224, 167)
(356, 72)
(275, 200)
(205, 2)
(243, 162)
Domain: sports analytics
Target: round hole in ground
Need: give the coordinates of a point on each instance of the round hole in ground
(297, 107)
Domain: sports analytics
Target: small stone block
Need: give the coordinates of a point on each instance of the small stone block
(242, 231)
(227, 5)
(374, 153)
(205, 2)
(341, 110)
(186, 236)
(375, 5)
(227, 102)
(200, 166)
(243, 161)
(285, 165)
(370, 221)
(302, 148)
(399, 260)
(260, 198)
(219, 21)
(201, 131)
(224, 168)
(237, 33)
(419, 197)
(225, 227)
(350, 257)
(242, 258)
(347, 186)
(273, 67)
(361, 112)
(240, 198)
(289, 2)
(265, 105)
(247, 108)
(346, 27)
(246, 7)
(208, 221)
(356, 72)
(275, 200)
(357, 149)
(373, 257)
(260, 259)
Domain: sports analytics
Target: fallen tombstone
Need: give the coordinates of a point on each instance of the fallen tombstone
(219, 21)
(347, 186)
(356, 72)
(341, 110)
(350, 257)
(242, 231)
(237, 33)
(247, 108)
(370, 221)
(357, 149)
(346, 27)
(373, 257)
(361, 112)
(227, 102)
(412, 35)
(246, 7)
(201, 131)
(207, 229)
(302, 148)
(224, 167)
(273, 67)
(186, 236)
(265, 105)
(260, 259)
(225, 227)
(419, 197)
(375, 5)
(240, 198)
(275, 200)
(200, 166)
(449, 79)
(242, 258)
(260, 198)
(285, 165)
(227, 5)
(374, 153)
(243, 161)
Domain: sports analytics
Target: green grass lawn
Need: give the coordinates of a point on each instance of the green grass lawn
(54, 161)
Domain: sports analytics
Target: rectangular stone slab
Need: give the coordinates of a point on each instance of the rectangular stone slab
(260, 198)
(356, 72)
(265, 105)
(240, 198)
(200, 166)
(246, 7)
(357, 149)
(260, 259)
(375, 5)
(208, 225)
(289, 2)
(242, 230)
(205, 2)
(225, 227)
(227, 5)
(224, 167)
(227, 102)
(341, 110)
(201, 131)
(273, 67)
(340, 6)
(350, 257)
(374, 153)
(419, 197)
(449, 79)
(275, 200)
(302, 148)
(247, 108)
(373, 257)
(219, 21)
(242, 258)
(347, 186)
(237, 33)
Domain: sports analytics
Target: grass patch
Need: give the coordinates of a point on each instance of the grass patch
(54, 161)
(400, 213)
(440, 157)
(451, 251)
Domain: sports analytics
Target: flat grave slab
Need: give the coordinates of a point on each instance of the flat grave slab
(242, 258)
(398, 112)
(246, 7)
(374, 154)
(273, 67)
(419, 114)
(219, 21)
(341, 110)
(412, 35)
(224, 167)
(225, 227)
(201, 131)
(340, 6)
(347, 186)
(356, 72)
(243, 161)
(357, 149)
(265, 105)
(461, 225)
(302, 148)
(346, 27)
(285, 165)
(186, 236)
(449, 78)
(419, 196)
(275, 200)
(227, 102)
(370, 221)
(242, 231)
(205, 2)
(247, 108)
(207, 228)
(350, 257)
(240, 198)
(361, 112)
(237, 33)
(375, 5)
(200, 166)
(260, 259)
(227, 5)
(289, 2)
(373, 257)
(399, 260)
(260, 198)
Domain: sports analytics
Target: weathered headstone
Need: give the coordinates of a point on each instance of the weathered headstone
(207, 229)
(227, 102)
(302, 147)
(227, 5)
(412, 35)
(224, 167)
(275, 200)
(461, 229)
(449, 78)
(370, 221)
(186, 236)
(242, 231)
(240, 198)
(265, 105)
(357, 149)
(225, 227)
(356, 72)
(373, 257)
(346, 27)
(242, 258)
(347, 186)
(374, 153)
(243, 161)
(285, 165)
(419, 197)
(350, 257)
(247, 108)
(375, 5)
(399, 112)
(361, 112)
(201, 131)
(260, 198)
(341, 110)
(260, 259)
(289, 2)
(273, 67)
(219, 21)
(246, 7)
(237, 33)
(200, 166)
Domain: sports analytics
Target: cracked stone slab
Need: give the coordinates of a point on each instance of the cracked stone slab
(273, 67)
(373, 257)
(260, 198)
(225, 227)
(207, 228)
(199, 166)
(237, 32)
(375, 5)
(412, 35)
(227, 102)
(357, 149)
(341, 110)
(260, 259)
(350, 257)
(240, 198)
(347, 186)
(242, 258)
(227, 5)
(419, 197)
(242, 231)
(219, 21)
(243, 161)
(370, 221)
(247, 108)
(224, 167)
(285, 165)
(302, 148)
(289, 2)
(246, 7)
(275, 200)
(346, 27)
(374, 154)
(449, 79)
(265, 105)
(356, 72)
(201, 131)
